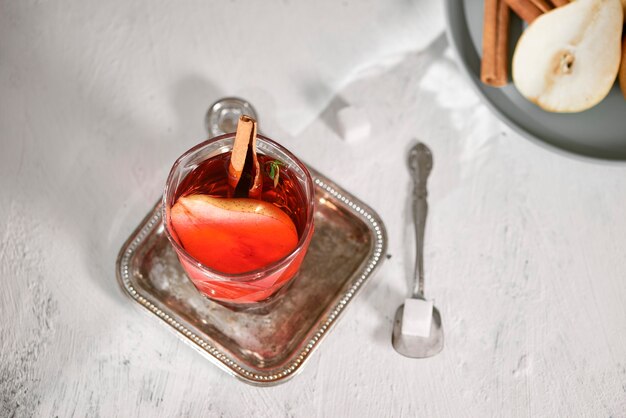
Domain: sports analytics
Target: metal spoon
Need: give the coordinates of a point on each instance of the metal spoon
(420, 164)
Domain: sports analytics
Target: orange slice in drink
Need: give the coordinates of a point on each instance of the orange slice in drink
(233, 235)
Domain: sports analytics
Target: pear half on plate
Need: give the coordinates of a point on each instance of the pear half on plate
(568, 59)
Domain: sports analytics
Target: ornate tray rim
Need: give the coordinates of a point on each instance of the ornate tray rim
(206, 347)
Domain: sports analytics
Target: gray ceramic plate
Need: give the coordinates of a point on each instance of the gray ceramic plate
(599, 132)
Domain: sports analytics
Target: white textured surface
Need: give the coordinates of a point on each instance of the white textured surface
(525, 249)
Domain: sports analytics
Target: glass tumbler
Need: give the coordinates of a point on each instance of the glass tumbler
(254, 286)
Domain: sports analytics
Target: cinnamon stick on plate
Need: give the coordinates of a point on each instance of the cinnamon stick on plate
(525, 9)
(494, 65)
(543, 5)
(622, 70)
(559, 3)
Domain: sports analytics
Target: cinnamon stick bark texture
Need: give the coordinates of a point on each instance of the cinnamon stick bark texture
(525, 9)
(494, 65)
(244, 172)
(543, 5)
(622, 70)
(559, 3)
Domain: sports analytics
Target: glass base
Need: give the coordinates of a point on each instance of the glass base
(262, 307)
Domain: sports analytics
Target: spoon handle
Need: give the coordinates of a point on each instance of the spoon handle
(420, 164)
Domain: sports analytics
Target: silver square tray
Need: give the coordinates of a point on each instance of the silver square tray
(269, 346)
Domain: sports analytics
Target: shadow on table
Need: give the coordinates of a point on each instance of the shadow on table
(382, 295)
(148, 167)
(113, 166)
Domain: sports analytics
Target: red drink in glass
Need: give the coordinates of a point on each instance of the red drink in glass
(223, 275)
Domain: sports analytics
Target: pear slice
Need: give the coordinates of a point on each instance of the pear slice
(567, 60)
(233, 235)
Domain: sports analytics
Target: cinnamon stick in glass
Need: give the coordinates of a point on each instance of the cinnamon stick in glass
(494, 64)
(244, 173)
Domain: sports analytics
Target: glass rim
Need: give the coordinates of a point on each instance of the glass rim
(252, 275)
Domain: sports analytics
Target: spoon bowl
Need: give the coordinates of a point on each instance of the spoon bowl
(413, 346)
